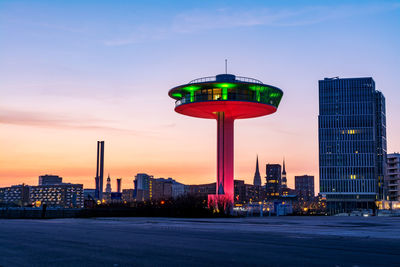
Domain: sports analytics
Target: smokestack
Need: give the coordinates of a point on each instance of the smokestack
(100, 170)
(119, 185)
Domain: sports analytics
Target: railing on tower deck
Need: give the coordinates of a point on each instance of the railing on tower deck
(248, 80)
(237, 79)
(204, 79)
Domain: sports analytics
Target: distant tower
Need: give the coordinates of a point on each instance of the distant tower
(257, 176)
(108, 186)
(273, 179)
(284, 180)
(99, 170)
(119, 185)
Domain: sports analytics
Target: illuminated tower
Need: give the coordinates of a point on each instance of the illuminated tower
(284, 180)
(257, 176)
(225, 98)
(108, 186)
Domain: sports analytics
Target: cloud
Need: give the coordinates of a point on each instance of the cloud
(58, 121)
(197, 20)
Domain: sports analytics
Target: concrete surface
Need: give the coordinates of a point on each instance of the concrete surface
(268, 241)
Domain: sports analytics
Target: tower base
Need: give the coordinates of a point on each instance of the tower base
(222, 203)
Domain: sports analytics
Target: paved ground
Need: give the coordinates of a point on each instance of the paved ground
(272, 241)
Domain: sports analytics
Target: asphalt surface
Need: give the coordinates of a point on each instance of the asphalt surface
(268, 241)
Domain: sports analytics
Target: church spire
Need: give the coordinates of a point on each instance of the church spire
(284, 179)
(257, 177)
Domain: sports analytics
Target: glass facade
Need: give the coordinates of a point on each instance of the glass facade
(258, 93)
(352, 143)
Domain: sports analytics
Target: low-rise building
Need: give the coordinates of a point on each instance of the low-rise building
(161, 189)
(393, 177)
(202, 190)
(15, 195)
(62, 195)
(128, 195)
(304, 186)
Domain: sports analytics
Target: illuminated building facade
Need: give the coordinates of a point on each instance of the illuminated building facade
(393, 177)
(304, 186)
(352, 143)
(225, 98)
(62, 195)
(247, 193)
(14, 195)
(149, 188)
(143, 186)
(273, 181)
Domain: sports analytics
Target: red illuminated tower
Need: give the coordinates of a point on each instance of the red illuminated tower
(225, 98)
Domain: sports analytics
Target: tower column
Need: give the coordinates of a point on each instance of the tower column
(225, 134)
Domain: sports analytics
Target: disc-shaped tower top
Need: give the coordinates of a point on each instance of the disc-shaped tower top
(238, 97)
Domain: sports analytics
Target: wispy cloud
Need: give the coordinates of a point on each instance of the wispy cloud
(198, 20)
(58, 121)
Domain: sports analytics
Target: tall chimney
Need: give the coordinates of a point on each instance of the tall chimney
(100, 170)
(119, 185)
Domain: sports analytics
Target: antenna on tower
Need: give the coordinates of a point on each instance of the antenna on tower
(226, 66)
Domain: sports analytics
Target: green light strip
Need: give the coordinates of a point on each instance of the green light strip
(224, 93)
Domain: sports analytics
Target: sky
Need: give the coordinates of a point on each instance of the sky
(74, 72)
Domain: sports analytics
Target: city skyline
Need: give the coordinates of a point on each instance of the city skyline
(69, 79)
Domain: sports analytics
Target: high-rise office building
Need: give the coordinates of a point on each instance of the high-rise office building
(50, 179)
(352, 143)
(257, 176)
(304, 186)
(273, 180)
(393, 177)
(143, 184)
(99, 170)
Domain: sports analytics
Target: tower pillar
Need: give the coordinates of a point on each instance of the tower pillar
(225, 185)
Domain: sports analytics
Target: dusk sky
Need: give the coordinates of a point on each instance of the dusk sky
(74, 72)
